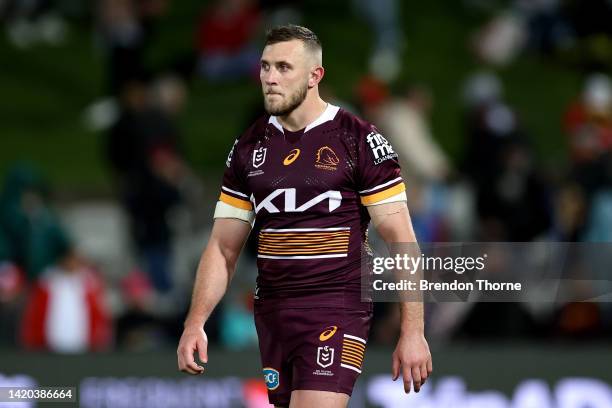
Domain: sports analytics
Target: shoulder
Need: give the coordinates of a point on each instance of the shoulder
(255, 131)
(354, 124)
(249, 138)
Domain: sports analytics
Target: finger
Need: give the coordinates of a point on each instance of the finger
(416, 378)
(183, 367)
(429, 366)
(189, 363)
(395, 367)
(202, 351)
(424, 374)
(407, 378)
(189, 370)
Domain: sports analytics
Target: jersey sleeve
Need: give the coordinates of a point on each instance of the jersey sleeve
(234, 198)
(379, 175)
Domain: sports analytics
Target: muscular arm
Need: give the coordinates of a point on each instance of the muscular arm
(213, 277)
(393, 224)
(411, 356)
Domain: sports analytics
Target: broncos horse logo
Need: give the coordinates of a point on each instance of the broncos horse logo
(327, 158)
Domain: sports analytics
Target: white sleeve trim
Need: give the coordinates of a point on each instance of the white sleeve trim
(393, 199)
(224, 210)
(380, 185)
(235, 192)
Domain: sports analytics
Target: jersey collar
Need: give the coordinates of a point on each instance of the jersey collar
(328, 114)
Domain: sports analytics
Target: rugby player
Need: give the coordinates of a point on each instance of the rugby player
(306, 178)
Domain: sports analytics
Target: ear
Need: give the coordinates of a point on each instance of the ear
(316, 75)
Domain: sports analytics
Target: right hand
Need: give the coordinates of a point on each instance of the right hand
(193, 339)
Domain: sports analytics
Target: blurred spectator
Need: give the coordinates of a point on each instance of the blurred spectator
(143, 148)
(404, 120)
(383, 18)
(144, 324)
(511, 198)
(371, 93)
(548, 29)
(588, 120)
(570, 212)
(12, 288)
(516, 205)
(65, 312)
(31, 226)
(501, 39)
(225, 40)
(30, 22)
(126, 28)
(489, 124)
(237, 329)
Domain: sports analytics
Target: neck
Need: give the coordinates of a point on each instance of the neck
(312, 107)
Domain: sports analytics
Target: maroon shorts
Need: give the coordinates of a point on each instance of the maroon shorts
(311, 349)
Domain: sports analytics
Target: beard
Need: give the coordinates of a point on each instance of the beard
(286, 107)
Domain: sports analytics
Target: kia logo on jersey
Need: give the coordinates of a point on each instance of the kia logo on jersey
(334, 197)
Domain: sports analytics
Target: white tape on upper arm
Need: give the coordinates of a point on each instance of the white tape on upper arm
(378, 213)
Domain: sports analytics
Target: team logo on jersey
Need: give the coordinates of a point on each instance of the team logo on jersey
(325, 356)
(328, 333)
(259, 156)
(231, 154)
(271, 378)
(334, 200)
(291, 157)
(326, 159)
(381, 148)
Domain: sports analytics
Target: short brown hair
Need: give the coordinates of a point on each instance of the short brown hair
(294, 32)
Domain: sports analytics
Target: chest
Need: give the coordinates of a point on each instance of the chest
(297, 174)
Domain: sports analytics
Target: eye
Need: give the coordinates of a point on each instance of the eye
(265, 66)
(283, 67)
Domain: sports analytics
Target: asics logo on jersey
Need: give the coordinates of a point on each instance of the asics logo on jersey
(291, 157)
(328, 333)
(381, 148)
(334, 200)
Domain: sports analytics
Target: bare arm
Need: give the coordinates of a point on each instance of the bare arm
(213, 277)
(392, 222)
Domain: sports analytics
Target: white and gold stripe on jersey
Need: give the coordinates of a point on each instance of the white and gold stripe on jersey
(303, 243)
(235, 198)
(384, 191)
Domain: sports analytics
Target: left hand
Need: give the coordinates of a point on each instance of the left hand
(413, 358)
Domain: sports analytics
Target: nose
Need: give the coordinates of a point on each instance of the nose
(269, 77)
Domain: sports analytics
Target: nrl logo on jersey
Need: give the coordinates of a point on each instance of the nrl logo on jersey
(325, 356)
(381, 148)
(259, 156)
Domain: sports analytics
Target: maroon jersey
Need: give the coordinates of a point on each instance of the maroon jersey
(309, 190)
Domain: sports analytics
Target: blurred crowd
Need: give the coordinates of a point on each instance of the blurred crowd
(54, 296)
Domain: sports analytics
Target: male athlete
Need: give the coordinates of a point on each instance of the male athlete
(307, 178)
